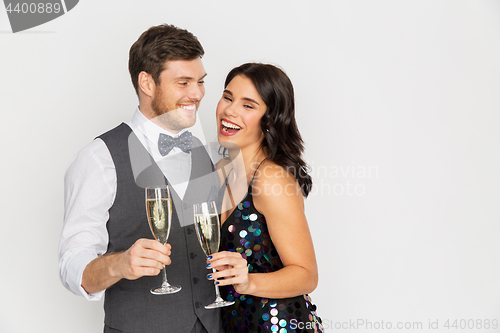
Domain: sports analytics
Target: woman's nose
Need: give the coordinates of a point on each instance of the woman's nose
(230, 110)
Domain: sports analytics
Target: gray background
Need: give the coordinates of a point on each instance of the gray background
(398, 103)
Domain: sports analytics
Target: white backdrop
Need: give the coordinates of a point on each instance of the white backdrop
(397, 101)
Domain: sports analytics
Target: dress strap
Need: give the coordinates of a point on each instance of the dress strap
(226, 185)
(251, 182)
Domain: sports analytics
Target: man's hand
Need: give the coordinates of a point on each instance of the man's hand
(145, 257)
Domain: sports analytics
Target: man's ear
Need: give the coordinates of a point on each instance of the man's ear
(146, 84)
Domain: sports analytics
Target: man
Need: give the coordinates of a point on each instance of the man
(106, 245)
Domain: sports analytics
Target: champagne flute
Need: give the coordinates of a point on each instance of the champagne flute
(207, 227)
(159, 210)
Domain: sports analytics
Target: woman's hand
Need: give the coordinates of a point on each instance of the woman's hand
(231, 269)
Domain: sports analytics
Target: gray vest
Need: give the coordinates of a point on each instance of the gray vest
(129, 306)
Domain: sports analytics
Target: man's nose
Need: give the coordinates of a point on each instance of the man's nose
(196, 92)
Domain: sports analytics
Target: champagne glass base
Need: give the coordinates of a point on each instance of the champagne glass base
(219, 304)
(165, 290)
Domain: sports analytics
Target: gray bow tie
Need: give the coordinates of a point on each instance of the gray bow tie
(183, 141)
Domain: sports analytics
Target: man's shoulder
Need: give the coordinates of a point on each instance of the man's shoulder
(94, 156)
(121, 130)
(97, 151)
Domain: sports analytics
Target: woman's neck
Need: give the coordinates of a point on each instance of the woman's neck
(249, 159)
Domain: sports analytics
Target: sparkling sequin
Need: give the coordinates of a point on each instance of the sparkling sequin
(247, 234)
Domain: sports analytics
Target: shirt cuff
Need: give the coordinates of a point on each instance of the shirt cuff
(75, 281)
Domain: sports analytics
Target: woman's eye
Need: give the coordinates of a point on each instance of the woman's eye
(248, 106)
(227, 98)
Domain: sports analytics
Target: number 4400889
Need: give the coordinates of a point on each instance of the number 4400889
(471, 324)
(40, 7)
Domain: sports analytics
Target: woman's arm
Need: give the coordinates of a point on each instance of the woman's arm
(278, 197)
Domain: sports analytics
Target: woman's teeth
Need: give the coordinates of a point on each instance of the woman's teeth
(229, 125)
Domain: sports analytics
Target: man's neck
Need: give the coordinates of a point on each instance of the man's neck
(155, 119)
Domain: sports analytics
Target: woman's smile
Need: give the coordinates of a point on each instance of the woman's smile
(228, 128)
(239, 113)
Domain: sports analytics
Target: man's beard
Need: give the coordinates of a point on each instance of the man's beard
(158, 105)
(167, 114)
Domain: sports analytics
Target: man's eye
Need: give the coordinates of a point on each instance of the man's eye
(201, 82)
(183, 83)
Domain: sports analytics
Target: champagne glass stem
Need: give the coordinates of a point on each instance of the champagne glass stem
(217, 293)
(165, 282)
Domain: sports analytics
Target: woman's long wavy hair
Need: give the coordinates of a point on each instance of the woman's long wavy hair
(281, 134)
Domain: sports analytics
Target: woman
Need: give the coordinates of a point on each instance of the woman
(267, 262)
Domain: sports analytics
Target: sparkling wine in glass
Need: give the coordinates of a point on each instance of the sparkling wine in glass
(207, 226)
(159, 210)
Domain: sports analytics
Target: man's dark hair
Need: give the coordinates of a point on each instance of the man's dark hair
(157, 45)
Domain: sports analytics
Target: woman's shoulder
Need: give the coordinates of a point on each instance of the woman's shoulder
(269, 175)
(275, 186)
(273, 172)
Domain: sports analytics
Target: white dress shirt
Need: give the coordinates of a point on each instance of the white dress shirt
(89, 193)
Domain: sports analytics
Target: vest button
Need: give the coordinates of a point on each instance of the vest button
(195, 280)
(186, 206)
(192, 255)
(197, 305)
(189, 231)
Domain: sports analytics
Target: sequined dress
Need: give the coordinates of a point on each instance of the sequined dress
(245, 231)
